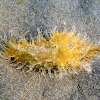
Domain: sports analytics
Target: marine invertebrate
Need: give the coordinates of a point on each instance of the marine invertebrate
(62, 53)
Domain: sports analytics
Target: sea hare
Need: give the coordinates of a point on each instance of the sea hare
(64, 53)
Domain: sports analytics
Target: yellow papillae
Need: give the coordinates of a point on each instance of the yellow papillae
(64, 51)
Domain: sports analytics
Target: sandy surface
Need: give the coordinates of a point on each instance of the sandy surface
(80, 15)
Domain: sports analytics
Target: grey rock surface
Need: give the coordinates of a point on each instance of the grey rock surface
(24, 18)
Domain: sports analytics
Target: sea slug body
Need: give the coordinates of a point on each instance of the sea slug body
(62, 53)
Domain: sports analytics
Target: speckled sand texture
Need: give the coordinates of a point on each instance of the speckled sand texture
(46, 15)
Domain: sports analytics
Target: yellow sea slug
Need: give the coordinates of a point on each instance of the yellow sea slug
(62, 53)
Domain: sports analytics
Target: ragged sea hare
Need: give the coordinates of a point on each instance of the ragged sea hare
(60, 53)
